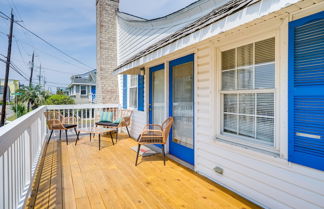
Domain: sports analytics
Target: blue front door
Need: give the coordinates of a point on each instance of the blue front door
(181, 108)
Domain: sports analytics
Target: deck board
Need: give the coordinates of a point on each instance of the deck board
(81, 176)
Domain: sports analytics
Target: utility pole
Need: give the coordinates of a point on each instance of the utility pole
(31, 78)
(31, 71)
(40, 75)
(5, 89)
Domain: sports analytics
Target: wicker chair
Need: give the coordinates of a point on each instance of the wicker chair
(155, 134)
(56, 121)
(125, 121)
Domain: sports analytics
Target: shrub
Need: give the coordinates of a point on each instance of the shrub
(20, 109)
(58, 99)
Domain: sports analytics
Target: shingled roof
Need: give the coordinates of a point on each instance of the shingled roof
(216, 15)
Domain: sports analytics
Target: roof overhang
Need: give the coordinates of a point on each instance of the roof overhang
(227, 17)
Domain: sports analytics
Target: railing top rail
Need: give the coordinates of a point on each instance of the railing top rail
(81, 106)
(10, 132)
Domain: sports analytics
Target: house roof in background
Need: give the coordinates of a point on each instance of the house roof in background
(84, 78)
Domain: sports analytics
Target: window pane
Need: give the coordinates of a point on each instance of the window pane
(265, 51)
(246, 126)
(245, 78)
(247, 103)
(230, 103)
(133, 80)
(133, 97)
(158, 97)
(245, 55)
(228, 80)
(230, 123)
(265, 104)
(265, 76)
(265, 129)
(228, 59)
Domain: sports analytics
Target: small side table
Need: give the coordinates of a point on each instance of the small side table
(96, 130)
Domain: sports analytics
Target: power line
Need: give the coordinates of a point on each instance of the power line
(26, 43)
(51, 45)
(54, 70)
(18, 71)
(15, 68)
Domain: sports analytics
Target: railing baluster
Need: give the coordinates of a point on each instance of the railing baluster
(15, 173)
(6, 179)
(2, 182)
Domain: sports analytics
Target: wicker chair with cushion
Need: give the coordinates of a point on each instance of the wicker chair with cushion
(56, 121)
(116, 119)
(155, 134)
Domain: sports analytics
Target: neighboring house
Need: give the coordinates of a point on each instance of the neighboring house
(13, 86)
(8, 94)
(83, 88)
(244, 81)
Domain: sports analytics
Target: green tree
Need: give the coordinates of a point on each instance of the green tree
(58, 99)
(19, 109)
(34, 96)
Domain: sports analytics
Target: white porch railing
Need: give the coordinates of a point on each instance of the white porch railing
(21, 144)
(86, 114)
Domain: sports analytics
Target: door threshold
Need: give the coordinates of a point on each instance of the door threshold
(172, 157)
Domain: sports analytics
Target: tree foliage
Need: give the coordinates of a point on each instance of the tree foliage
(59, 99)
(19, 109)
(33, 95)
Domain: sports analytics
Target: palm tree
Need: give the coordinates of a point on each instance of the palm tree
(34, 96)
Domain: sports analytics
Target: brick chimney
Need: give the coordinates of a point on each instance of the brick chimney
(107, 84)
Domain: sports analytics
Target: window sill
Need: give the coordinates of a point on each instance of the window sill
(257, 147)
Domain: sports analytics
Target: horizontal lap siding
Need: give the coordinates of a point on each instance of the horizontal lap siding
(269, 181)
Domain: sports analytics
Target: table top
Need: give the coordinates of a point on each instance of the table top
(95, 130)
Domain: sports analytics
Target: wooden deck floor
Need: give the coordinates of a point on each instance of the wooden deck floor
(83, 177)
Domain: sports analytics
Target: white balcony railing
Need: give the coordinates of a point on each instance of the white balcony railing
(21, 144)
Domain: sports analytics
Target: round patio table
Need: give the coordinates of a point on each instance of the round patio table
(94, 131)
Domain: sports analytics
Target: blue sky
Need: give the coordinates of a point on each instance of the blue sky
(68, 24)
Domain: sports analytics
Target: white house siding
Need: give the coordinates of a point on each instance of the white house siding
(270, 181)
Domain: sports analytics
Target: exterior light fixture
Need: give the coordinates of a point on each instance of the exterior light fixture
(142, 71)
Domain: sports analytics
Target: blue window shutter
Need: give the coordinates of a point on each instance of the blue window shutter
(125, 91)
(140, 94)
(306, 91)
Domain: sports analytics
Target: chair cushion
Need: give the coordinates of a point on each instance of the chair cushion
(106, 116)
(118, 120)
(106, 123)
(69, 126)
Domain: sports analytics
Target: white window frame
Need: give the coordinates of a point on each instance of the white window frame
(241, 140)
(134, 86)
(86, 90)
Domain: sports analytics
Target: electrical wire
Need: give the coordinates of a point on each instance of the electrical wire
(49, 44)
